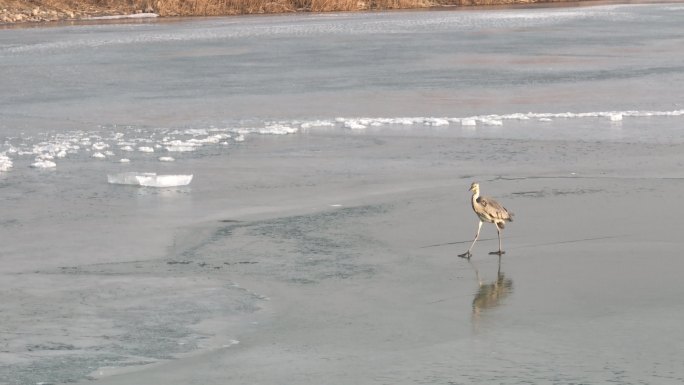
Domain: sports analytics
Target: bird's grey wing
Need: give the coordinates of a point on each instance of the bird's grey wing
(494, 208)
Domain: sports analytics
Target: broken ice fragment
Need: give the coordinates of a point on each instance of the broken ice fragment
(149, 179)
(164, 180)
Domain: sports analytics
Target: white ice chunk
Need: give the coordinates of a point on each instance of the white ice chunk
(468, 122)
(239, 138)
(125, 160)
(99, 155)
(166, 159)
(99, 146)
(278, 129)
(615, 117)
(127, 177)
(436, 122)
(177, 148)
(5, 162)
(492, 121)
(164, 180)
(145, 149)
(196, 131)
(317, 123)
(355, 124)
(43, 163)
(127, 148)
(149, 179)
(180, 146)
(404, 121)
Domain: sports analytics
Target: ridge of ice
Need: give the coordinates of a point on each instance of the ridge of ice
(46, 147)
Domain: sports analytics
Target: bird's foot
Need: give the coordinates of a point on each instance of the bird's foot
(499, 253)
(466, 255)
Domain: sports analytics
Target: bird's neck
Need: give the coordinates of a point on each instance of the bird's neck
(476, 194)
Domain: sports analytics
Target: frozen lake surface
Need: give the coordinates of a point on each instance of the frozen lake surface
(330, 156)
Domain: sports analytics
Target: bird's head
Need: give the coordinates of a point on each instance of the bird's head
(475, 187)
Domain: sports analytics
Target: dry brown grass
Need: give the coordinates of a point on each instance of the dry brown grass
(237, 7)
(220, 7)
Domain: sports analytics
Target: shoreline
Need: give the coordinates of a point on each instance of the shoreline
(40, 13)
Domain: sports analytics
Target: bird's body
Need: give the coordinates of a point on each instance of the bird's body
(488, 210)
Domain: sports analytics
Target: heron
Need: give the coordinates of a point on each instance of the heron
(488, 210)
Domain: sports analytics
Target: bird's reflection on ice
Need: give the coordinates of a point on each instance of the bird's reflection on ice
(490, 294)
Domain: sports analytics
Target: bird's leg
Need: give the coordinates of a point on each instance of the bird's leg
(498, 232)
(477, 235)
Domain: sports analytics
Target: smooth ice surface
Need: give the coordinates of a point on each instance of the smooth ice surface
(332, 154)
